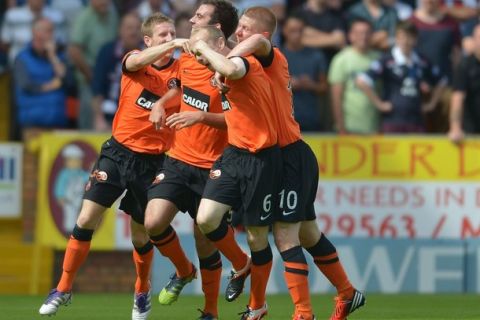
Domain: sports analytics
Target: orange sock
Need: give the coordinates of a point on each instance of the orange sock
(75, 254)
(142, 258)
(296, 277)
(326, 258)
(224, 239)
(169, 246)
(211, 271)
(261, 267)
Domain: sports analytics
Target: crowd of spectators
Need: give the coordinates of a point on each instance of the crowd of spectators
(357, 66)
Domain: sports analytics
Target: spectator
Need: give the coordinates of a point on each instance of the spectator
(147, 7)
(324, 28)
(405, 77)
(353, 112)
(465, 102)
(183, 26)
(307, 69)
(437, 33)
(17, 25)
(39, 70)
(69, 9)
(403, 10)
(96, 25)
(439, 42)
(382, 18)
(108, 71)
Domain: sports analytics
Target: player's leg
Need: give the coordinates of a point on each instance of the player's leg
(326, 259)
(158, 216)
(299, 186)
(102, 190)
(142, 258)
(296, 267)
(76, 252)
(210, 221)
(262, 259)
(211, 272)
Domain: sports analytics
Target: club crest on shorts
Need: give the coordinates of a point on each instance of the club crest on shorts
(215, 174)
(159, 178)
(100, 175)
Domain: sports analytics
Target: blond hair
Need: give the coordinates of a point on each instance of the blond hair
(264, 17)
(153, 20)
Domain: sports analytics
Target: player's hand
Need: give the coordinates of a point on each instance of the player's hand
(456, 135)
(219, 82)
(157, 116)
(385, 106)
(197, 47)
(184, 119)
(180, 42)
(185, 45)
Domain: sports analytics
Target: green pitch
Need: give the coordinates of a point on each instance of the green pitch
(118, 306)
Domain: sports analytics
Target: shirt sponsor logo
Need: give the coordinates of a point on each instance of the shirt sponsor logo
(146, 99)
(196, 99)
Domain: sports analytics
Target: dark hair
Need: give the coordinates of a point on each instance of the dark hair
(407, 27)
(225, 14)
(359, 20)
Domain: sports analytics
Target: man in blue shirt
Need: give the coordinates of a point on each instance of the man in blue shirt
(307, 67)
(39, 72)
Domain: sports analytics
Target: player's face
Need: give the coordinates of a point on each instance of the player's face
(202, 16)
(161, 33)
(246, 27)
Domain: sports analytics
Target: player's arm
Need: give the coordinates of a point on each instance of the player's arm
(157, 114)
(256, 44)
(148, 56)
(187, 119)
(231, 68)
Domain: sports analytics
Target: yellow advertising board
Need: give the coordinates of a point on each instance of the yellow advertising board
(65, 161)
(400, 158)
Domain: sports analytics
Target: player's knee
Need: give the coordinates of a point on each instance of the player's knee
(286, 235)
(90, 215)
(257, 238)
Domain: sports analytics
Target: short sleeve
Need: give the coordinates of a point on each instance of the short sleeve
(337, 72)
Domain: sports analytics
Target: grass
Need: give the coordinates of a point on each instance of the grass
(118, 306)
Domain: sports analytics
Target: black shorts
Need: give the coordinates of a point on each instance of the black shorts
(118, 169)
(248, 182)
(181, 183)
(299, 183)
